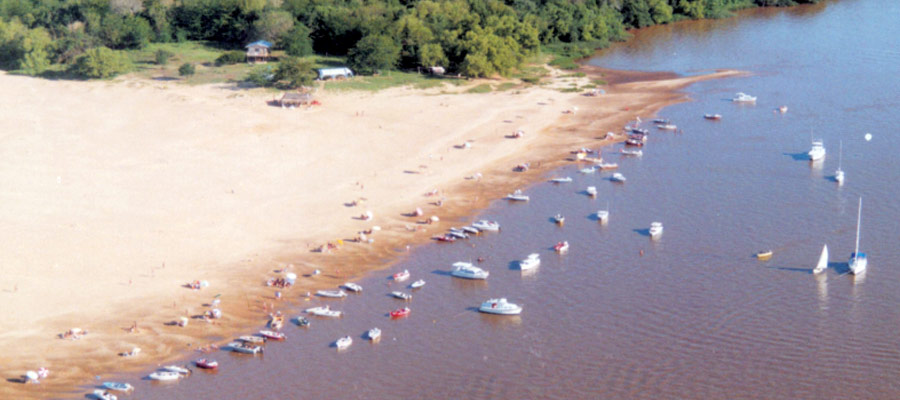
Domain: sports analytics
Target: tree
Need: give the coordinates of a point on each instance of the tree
(36, 44)
(636, 13)
(101, 62)
(373, 53)
(186, 69)
(432, 54)
(162, 56)
(297, 42)
(294, 72)
(272, 25)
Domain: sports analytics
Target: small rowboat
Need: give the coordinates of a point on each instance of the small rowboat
(302, 321)
(402, 296)
(714, 117)
(667, 127)
(636, 153)
(401, 276)
(118, 386)
(559, 219)
(104, 395)
(561, 180)
(164, 376)
(246, 348)
(177, 369)
(353, 287)
(400, 312)
(445, 238)
(764, 255)
(331, 293)
(252, 339)
(207, 363)
(561, 247)
(417, 284)
(272, 335)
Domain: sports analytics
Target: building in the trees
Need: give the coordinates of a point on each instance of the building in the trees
(258, 51)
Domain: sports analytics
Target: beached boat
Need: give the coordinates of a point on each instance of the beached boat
(817, 151)
(245, 348)
(741, 97)
(471, 230)
(561, 180)
(445, 238)
(635, 153)
(661, 121)
(353, 287)
(667, 127)
(532, 261)
(206, 363)
(486, 225)
(276, 321)
(374, 334)
(839, 174)
(400, 312)
(164, 376)
(517, 196)
(458, 233)
(401, 295)
(617, 177)
(466, 270)
(823, 261)
(331, 293)
(303, 322)
(177, 369)
(634, 142)
(118, 386)
(559, 219)
(638, 131)
(858, 261)
(500, 306)
(764, 255)
(714, 117)
(589, 170)
(272, 335)
(561, 247)
(343, 342)
(401, 276)
(417, 284)
(591, 191)
(656, 229)
(101, 394)
(252, 339)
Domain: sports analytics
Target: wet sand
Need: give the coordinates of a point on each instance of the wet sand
(118, 193)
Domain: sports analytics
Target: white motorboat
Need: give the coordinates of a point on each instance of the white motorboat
(471, 230)
(486, 225)
(817, 152)
(457, 233)
(667, 127)
(246, 348)
(101, 394)
(603, 216)
(608, 165)
(252, 339)
(561, 247)
(559, 219)
(177, 369)
(343, 342)
(839, 174)
(636, 153)
(741, 97)
(561, 180)
(331, 293)
(656, 229)
(591, 191)
(401, 276)
(517, 196)
(118, 386)
(374, 334)
(532, 261)
(500, 306)
(466, 270)
(401, 295)
(858, 261)
(164, 376)
(823, 261)
(417, 284)
(617, 177)
(324, 311)
(353, 287)
(589, 170)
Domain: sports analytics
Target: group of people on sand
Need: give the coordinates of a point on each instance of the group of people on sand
(278, 282)
(74, 334)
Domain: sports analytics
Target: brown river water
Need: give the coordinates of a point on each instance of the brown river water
(695, 316)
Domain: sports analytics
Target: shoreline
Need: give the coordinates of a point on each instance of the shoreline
(550, 134)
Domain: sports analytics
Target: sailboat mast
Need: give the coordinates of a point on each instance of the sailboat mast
(858, 218)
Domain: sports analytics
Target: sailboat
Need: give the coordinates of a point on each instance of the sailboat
(839, 174)
(823, 261)
(858, 261)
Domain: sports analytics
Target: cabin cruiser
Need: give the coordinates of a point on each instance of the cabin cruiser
(466, 270)
(500, 306)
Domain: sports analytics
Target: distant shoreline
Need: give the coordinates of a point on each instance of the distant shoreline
(230, 190)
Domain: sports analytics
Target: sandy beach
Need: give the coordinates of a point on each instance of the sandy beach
(117, 194)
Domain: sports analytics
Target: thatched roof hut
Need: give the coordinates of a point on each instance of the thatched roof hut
(295, 99)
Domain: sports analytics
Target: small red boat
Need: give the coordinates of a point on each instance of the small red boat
(207, 364)
(561, 247)
(401, 276)
(714, 117)
(272, 335)
(400, 312)
(445, 238)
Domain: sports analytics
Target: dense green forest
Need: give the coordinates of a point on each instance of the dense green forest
(471, 37)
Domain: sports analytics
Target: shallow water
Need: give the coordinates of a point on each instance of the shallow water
(695, 316)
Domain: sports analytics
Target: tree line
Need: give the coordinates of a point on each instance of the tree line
(472, 37)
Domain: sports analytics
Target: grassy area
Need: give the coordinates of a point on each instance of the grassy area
(388, 80)
(482, 88)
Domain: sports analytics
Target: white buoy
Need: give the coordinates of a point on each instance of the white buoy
(868, 136)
